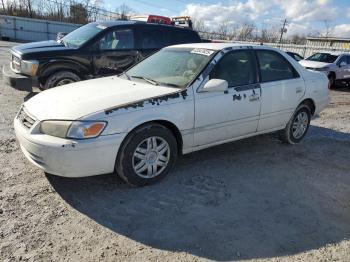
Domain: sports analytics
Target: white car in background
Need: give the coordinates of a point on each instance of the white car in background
(336, 66)
(181, 99)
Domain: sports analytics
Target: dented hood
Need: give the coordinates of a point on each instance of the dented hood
(79, 99)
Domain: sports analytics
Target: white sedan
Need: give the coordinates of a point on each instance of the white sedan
(182, 99)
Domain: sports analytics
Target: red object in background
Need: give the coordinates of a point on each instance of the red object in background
(156, 19)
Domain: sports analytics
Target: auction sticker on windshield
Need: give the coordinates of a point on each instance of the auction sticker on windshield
(202, 51)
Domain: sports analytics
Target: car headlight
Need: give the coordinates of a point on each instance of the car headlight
(29, 67)
(73, 129)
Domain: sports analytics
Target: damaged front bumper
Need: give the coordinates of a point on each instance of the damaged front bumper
(65, 157)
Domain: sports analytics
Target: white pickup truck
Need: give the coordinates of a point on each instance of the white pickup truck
(181, 99)
(335, 65)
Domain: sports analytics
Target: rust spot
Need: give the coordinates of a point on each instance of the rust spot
(153, 101)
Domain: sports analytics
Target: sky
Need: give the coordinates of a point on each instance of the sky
(304, 17)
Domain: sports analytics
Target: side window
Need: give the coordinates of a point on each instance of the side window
(274, 67)
(345, 59)
(183, 37)
(153, 38)
(117, 40)
(342, 59)
(237, 68)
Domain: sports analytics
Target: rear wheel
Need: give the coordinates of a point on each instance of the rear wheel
(297, 126)
(147, 155)
(61, 78)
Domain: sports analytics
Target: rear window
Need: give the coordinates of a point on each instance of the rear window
(274, 67)
(153, 38)
(184, 37)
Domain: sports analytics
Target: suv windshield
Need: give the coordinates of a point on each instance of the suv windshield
(81, 35)
(323, 57)
(175, 67)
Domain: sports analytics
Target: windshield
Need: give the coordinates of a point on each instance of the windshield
(175, 67)
(323, 57)
(81, 35)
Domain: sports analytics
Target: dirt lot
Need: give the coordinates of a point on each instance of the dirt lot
(256, 199)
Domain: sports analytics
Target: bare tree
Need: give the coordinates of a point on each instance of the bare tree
(223, 30)
(298, 39)
(124, 11)
(328, 29)
(246, 31)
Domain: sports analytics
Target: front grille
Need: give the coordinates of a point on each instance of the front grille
(16, 63)
(25, 119)
(310, 68)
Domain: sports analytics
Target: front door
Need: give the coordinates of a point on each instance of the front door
(282, 89)
(344, 70)
(221, 116)
(114, 52)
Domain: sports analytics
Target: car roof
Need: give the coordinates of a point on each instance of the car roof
(109, 24)
(336, 53)
(220, 46)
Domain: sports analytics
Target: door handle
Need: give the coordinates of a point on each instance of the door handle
(253, 97)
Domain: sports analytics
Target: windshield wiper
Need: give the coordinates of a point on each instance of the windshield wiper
(151, 81)
(127, 76)
(169, 84)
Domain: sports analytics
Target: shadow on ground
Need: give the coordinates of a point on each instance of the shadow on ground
(255, 198)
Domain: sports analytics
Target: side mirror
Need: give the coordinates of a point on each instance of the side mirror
(215, 85)
(342, 64)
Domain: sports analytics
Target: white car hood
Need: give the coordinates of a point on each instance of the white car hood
(313, 64)
(76, 100)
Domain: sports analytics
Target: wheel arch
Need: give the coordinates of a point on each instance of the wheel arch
(60, 66)
(310, 103)
(332, 73)
(166, 123)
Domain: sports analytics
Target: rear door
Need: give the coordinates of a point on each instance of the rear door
(282, 89)
(344, 71)
(114, 51)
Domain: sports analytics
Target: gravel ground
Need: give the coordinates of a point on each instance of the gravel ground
(256, 199)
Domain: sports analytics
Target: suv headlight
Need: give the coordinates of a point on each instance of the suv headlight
(29, 67)
(73, 129)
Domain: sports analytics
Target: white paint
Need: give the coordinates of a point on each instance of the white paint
(203, 118)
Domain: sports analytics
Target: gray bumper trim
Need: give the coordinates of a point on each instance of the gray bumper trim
(17, 81)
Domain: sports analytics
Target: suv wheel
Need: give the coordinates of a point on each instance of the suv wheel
(61, 78)
(297, 126)
(147, 155)
(331, 78)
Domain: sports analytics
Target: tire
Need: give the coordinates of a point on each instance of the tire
(290, 135)
(331, 78)
(137, 161)
(60, 78)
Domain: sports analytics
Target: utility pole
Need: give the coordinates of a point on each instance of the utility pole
(283, 30)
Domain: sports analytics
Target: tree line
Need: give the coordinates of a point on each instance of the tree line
(85, 11)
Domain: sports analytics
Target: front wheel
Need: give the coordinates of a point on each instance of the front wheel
(61, 78)
(297, 126)
(146, 155)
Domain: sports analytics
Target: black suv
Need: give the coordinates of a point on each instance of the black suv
(93, 50)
